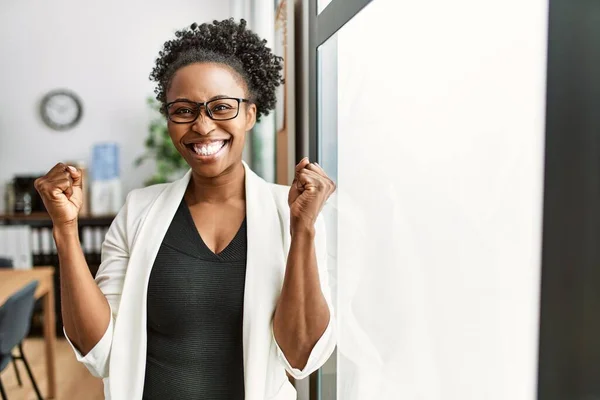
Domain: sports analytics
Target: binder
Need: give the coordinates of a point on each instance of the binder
(15, 244)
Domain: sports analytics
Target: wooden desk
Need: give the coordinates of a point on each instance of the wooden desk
(11, 281)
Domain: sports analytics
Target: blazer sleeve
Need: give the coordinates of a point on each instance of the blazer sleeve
(109, 278)
(327, 342)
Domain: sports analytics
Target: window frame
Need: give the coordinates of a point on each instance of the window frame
(321, 26)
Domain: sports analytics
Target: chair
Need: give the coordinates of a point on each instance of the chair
(15, 321)
(7, 263)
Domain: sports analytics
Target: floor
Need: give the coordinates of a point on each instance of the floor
(74, 382)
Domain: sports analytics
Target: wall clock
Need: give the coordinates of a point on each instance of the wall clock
(61, 109)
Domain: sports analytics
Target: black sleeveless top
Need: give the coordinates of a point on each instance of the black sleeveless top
(195, 309)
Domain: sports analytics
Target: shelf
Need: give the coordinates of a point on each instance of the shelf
(42, 218)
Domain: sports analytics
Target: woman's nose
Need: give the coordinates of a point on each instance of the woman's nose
(203, 124)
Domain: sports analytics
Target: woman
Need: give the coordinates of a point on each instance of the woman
(213, 286)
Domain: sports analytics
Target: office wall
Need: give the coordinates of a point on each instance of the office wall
(440, 139)
(102, 50)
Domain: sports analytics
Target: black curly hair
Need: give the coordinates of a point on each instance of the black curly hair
(225, 42)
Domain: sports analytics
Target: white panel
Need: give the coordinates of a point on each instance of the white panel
(439, 204)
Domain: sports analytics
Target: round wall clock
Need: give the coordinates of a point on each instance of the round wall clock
(61, 109)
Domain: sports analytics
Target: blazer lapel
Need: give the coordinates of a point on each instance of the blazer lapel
(265, 266)
(128, 355)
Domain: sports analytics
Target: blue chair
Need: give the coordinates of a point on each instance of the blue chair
(15, 322)
(8, 264)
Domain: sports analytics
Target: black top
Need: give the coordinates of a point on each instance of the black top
(195, 309)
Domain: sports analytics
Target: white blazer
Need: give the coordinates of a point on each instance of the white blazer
(128, 254)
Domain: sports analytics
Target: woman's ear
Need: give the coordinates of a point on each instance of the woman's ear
(250, 116)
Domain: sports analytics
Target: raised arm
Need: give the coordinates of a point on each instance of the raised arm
(302, 314)
(85, 310)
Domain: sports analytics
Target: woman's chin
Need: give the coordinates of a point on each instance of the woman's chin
(222, 167)
(211, 170)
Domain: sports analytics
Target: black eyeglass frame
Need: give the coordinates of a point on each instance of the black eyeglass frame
(204, 104)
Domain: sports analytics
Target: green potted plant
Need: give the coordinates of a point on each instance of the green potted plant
(169, 163)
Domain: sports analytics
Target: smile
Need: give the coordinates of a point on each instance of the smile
(209, 149)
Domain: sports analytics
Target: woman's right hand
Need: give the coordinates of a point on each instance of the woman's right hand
(62, 194)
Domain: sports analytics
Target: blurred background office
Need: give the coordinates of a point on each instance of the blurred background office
(464, 140)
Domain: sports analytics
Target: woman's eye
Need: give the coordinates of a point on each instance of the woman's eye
(183, 111)
(221, 107)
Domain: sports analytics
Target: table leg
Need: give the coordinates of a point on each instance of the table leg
(50, 340)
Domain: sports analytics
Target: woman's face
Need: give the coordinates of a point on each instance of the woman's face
(210, 147)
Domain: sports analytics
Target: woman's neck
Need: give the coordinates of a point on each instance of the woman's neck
(229, 186)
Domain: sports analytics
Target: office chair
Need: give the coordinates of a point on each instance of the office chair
(15, 321)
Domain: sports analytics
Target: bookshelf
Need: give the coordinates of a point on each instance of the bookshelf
(92, 230)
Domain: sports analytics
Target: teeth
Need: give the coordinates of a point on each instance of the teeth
(208, 149)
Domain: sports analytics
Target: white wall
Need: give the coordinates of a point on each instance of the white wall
(439, 204)
(104, 51)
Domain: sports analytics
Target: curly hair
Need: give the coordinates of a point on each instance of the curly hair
(225, 42)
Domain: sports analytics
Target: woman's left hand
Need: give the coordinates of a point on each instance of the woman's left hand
(310, 190)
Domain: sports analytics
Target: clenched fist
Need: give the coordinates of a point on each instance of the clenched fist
(310, 190)
(62, 193)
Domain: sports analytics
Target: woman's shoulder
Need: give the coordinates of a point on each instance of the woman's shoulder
(147, 193)
(128, 220)
(139, 200)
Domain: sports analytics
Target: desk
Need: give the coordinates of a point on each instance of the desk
(11, 281)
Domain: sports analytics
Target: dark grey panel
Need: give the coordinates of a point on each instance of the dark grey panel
(335, 15)
(569, 349)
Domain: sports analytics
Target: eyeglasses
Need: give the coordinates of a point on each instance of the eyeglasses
(221, 109)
